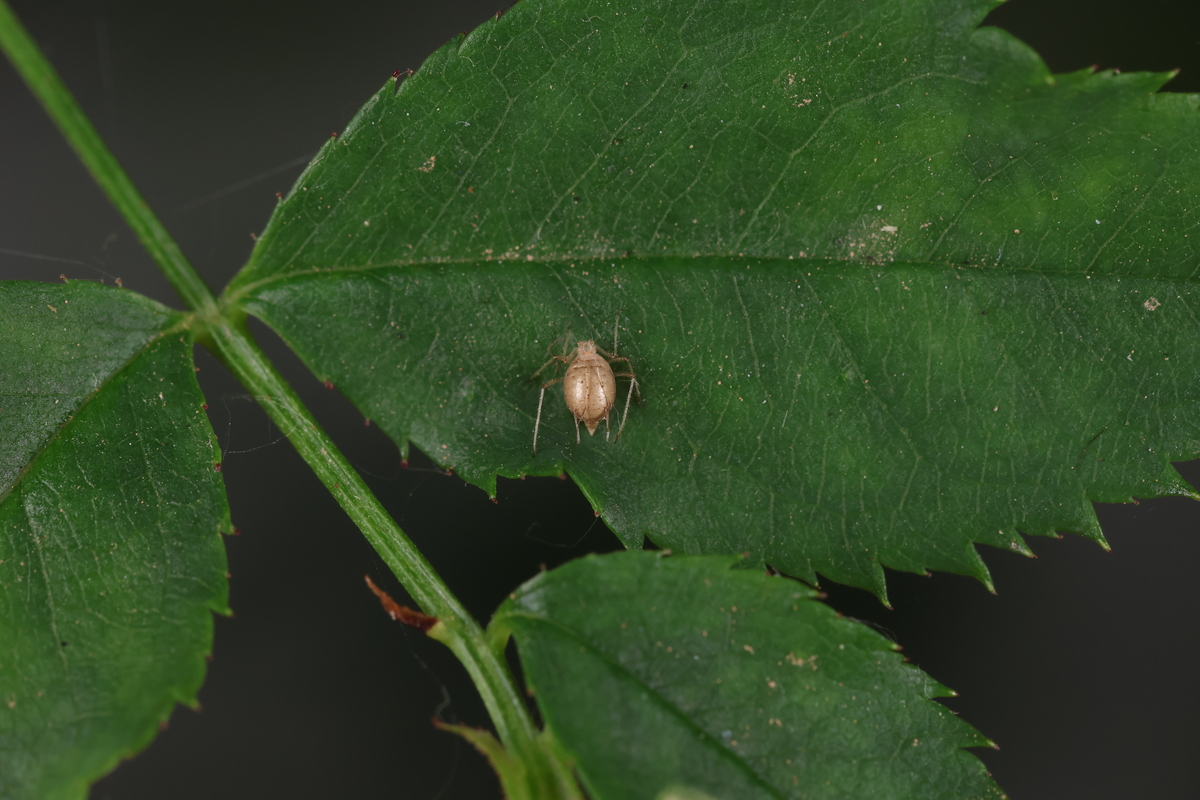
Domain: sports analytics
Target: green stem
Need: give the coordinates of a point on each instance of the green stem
(45, 84)
(461, 633)
(458, 630)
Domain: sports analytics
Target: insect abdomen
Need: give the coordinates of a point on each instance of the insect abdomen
(590, 390)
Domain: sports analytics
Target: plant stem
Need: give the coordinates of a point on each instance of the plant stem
(462, 633)
(459, 631)
(45, 84)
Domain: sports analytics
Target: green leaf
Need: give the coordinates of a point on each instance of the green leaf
(654, 670)
(110, 562)
(889, 288)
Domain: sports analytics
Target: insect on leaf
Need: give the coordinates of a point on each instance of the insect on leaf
(890, 288)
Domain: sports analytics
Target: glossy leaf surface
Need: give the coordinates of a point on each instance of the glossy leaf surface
(654, 672)
(110, 562)
(889, 288)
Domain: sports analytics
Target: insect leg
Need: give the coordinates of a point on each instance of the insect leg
(637, 389)
(628, 397)
(541, 397)
(616, 330)
(537, 423)
(561, 359)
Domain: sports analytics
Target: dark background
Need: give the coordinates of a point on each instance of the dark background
(1083, 667)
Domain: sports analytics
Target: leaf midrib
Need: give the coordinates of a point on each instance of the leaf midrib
(707, 740)
(233, 301)
(180, 324)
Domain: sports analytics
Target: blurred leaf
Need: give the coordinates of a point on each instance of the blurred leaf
(110, 562)
(889, 288)
(651, 671)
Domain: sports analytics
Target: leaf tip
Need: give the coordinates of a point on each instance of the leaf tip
(978, 570)
(1091, 530)
(1018, 545)
(876, 583)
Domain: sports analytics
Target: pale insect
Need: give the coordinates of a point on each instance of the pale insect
(589, 385)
